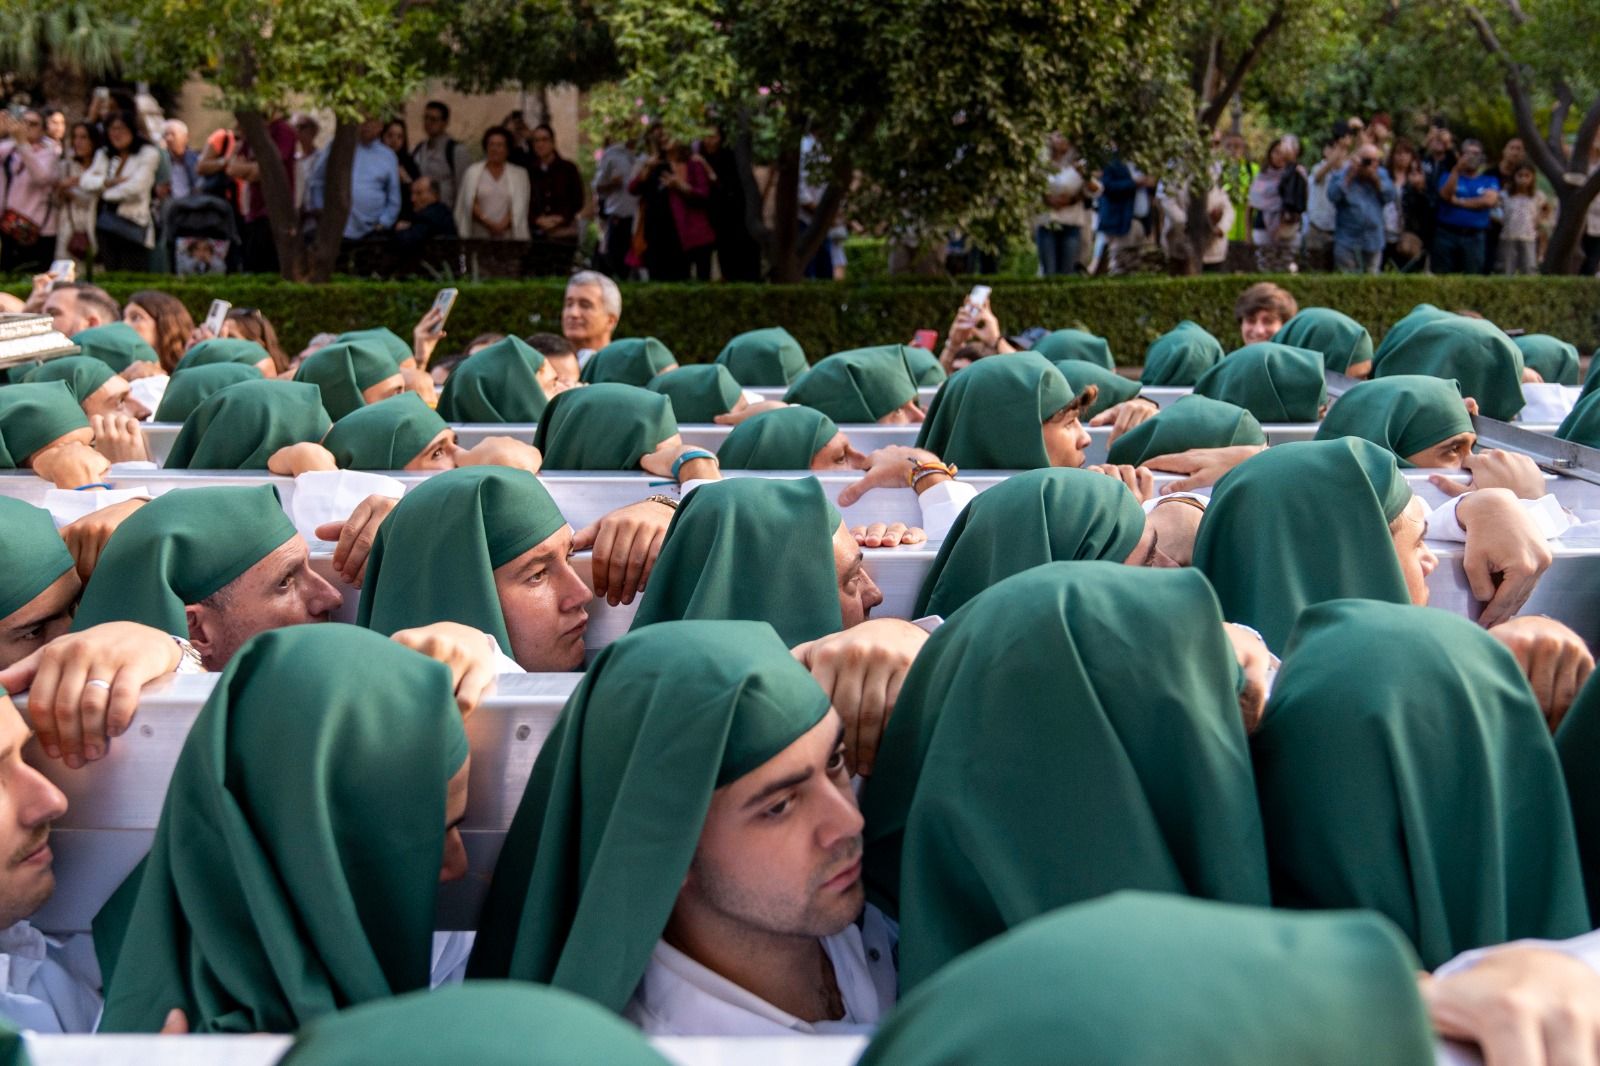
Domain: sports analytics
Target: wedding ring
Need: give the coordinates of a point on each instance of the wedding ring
(97, 683)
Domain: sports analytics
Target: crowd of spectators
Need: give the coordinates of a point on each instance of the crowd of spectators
(128, 189)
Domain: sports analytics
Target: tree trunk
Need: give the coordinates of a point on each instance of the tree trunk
(755, 200)
(323, 255)
(278, 193)
(1559, 253)
(786, 219)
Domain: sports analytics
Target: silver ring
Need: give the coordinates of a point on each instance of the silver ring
(97, 683)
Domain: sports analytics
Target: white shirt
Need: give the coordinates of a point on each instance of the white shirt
(49, 986)
(1548, 402)
(1551, 519)
(679, 997)
(450, 952)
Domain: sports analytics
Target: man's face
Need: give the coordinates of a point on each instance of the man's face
(1447, 454)
(432, 122)
(1065, 439)
(422, 193)
(28, 804)
(110, 398)
(40, 620)
(1416, 559)
(280, 590)
(1260, 325)
(368, 131)
(176, 140)
(442, 453)
(780, 854)
(838, 455)
(1514, 154)
(391, 386)
(62, 307)
(55, 126)
(858, 593)
(544, 603)
(544, 145)
(584, 318)
(1233, 146)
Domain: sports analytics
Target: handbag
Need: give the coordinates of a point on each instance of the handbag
(109, 222)
(19, 228)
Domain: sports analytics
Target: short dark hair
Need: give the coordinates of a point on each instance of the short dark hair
(1265, 296)
(134, 126)
(94, 296)
(545, 126)
(550, 344)
(439, 106)
(496, 131)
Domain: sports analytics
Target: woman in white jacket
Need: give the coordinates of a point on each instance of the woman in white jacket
(493, 201)
(123, 174)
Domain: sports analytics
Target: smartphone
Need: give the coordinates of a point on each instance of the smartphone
(217, 315)
(63, 270)
(443, 303)
(925, 339)
(978, 298)
(102, 92)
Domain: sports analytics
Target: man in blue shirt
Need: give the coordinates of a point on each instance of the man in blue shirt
(374, 185)
(1466, 196)
(1358, 193)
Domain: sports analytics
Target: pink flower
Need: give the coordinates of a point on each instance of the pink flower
(762, 90)
(598, 152)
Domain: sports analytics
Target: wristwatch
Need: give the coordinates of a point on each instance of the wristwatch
(667, 501)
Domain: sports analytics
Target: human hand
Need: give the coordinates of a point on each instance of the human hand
(1124, 416)
(503, 451)
(1554, 659)
(887, 469)
(70, 465)
(1497, 469)
(118, 437)
(86, 537)
(1140, 481)
(1504, 553)
(660, 462)
(427, 334)
(1521, 1005)
(1254, 662)
(1204, 466)
(139, 368)
(464, 650)
(295, 459)
(72, 717)
(1530, 376)
(625, 543)
(888, 535)
(354, 537)
(176, 1023)
(862, 670)
(750, 410)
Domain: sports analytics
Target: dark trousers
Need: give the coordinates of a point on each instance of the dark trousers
(1591, 255)
(1457, 251)
(27, 258)
(619, 239)
(1059, 246)
(116, 253)
(260, 254)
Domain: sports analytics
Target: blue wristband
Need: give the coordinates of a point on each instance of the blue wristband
(695, 453)
(92, 485)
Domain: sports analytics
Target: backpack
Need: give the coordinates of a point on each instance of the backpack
(1293, 191)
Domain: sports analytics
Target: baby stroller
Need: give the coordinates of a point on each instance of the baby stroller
(200, 235)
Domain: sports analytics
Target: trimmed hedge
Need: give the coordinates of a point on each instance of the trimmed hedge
(694, 320)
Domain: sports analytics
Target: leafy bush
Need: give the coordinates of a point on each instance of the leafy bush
(696, 319)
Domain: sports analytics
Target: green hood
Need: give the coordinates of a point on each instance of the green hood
(1554, 359)
(603, 427)
(698, 393)
(1274, 382)
(486, 1023)
(32, 556)
(240, 426)
(861, 385)
(925, 366)
(1138, 978)
(1075, 344)
(178, 549)
(630, 361)
(1180, 356)
(194, 386)
(382, 337)
(116, 344)
(1414, 320)
(499, 383)
(81, 373)
(222, 350)
(1339, 338)
(1114, 388)
(991, 415)
(1404, 767)
(1032, 518)
(784, 439)
(343, 370)
(618, 797)
(768, 357)
(1300, 524)
(1194, 421)
(1407, 414)
(434, 557)
(1582, 424)
(758, 549)
(295, 868)
(384, 436)
(1111, 749)
(1578, 744)
(32, 416)
(1482, 359)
